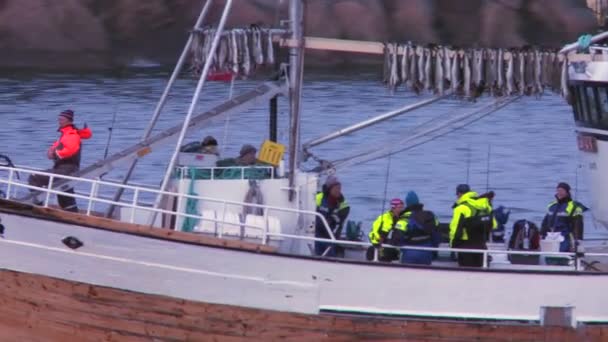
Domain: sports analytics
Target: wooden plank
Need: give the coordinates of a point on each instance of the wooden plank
(103, 223)
(35, 307)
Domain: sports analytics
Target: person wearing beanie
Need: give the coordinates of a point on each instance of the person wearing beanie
(65, 153)
(388, 228)
(332, 205)
(471, 224)
(422, 230)
(565, 216)
(207, 146)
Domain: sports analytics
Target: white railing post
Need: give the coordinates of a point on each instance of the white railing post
(485, 259)
(134, 203)
(221, 230)
(265, 231)
(92, 194)
(48, 193)
(9, 185)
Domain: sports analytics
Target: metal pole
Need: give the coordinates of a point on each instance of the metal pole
(574, 46)
(163, 99)
(296, 61)
(372, 121)
(273, 119)
(195, 98)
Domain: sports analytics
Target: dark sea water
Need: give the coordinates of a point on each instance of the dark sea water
(531, 143)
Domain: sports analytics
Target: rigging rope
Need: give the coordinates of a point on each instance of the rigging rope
(421, 135)
(386, 178)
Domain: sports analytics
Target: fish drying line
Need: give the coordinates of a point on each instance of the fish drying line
(240, 51)
(471, 72)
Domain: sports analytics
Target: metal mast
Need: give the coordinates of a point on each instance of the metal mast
(296, 70)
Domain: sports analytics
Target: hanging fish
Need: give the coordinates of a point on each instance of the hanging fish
(405, 67)
(260, 50)
(538, 73)
(222, 53)
(490, 71)
(475, 72)
(564, 80)
(235, 52)
(500, 76)
(557, 72)
(478, 73)
(207, 46)
(546, 69)
(521, 57)
(428, 65)
(509, 76)
(196, 53)
(466, 61)
(420, 54)
(246, 54)
(414, 83)
(394, 68)
(455, 72)
(439, 78)
(269, 49)
(529, 73)
(386, 66)
(447, 63)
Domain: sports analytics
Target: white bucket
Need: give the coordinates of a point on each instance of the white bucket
(549, 245)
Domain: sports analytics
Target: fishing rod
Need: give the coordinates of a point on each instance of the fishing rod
(110, 130)
(488, 168)
(468, 162)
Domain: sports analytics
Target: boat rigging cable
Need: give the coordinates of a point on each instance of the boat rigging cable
(421, 135)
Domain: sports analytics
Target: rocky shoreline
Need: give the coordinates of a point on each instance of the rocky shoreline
(101, 34)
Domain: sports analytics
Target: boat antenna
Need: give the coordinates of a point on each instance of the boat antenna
(468, 162)
(386, 178)
(578, 166)
(488, 168)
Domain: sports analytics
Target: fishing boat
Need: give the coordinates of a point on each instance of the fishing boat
(205, 256)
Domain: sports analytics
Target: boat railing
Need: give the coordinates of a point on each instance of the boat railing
(219, 172)
(93, 197)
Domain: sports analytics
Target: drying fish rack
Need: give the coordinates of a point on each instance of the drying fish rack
(437, 69)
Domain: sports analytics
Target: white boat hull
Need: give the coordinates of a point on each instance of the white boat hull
(292, 284)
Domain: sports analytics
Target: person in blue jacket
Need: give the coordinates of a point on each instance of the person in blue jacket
(422, 230)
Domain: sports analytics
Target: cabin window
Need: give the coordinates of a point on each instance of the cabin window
(581, 94)
(593, 105)
(603, 106)
(575, 104)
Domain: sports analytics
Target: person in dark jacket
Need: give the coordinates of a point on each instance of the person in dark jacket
(333, 207)
(65, 153)
(422, 230)
(565, 216)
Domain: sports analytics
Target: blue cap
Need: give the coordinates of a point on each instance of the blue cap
(411, 199)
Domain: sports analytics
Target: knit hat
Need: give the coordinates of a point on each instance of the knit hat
(247, 149)
(68, 114)
(395, 202)
(331, 181)
(463, 188)
(564, 186)
(209, 141)
(411, 199)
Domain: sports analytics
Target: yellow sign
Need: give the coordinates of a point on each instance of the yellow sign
(271, 153)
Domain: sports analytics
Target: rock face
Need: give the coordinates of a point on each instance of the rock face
(87, 34)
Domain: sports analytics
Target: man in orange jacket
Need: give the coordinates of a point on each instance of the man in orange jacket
(65, 153)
